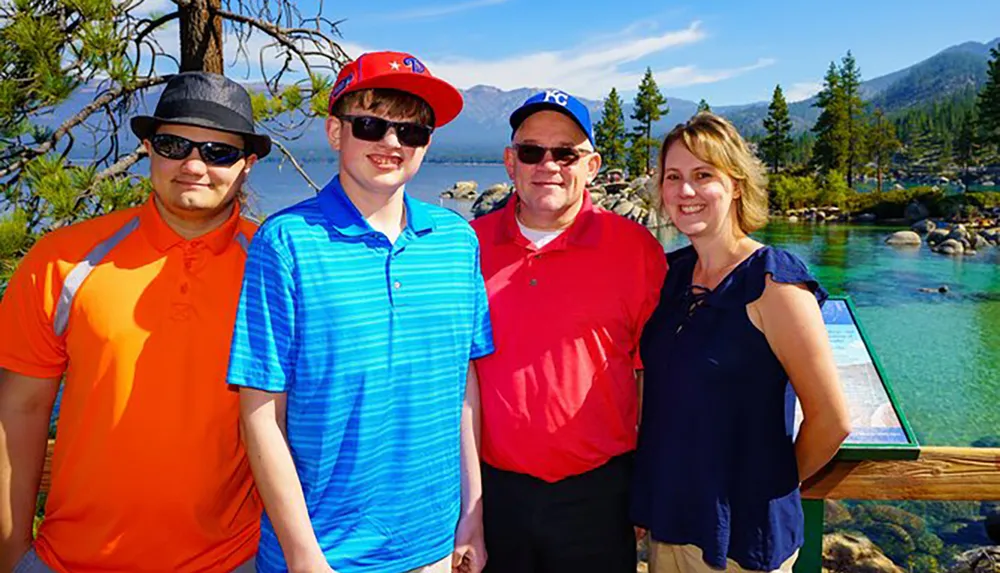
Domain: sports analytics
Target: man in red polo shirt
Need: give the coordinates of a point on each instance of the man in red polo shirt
(570, 287)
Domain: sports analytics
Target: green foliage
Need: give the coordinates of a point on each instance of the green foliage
(789, 192)
(777, 145)
(988, 105)
(832, 137)
(703, 106)
(882, 143)
(609, 133)
(648, 107)
(854, 107)
(833, 190)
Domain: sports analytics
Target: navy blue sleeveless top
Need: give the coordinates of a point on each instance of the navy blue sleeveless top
(715, 465)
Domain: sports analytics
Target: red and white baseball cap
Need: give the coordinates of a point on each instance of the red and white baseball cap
(403, 72)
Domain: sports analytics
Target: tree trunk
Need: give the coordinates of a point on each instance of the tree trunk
(878, 173)
(201, 37)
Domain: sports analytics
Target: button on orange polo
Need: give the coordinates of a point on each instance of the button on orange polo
(148, 471)
(559, 396)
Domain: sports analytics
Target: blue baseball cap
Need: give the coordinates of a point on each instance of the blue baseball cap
(555, 100)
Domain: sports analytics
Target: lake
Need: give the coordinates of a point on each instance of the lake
(940, 351)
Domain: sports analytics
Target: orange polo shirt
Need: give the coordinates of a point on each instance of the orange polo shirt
(148, 473)
(559, 395)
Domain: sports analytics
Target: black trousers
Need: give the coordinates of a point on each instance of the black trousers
(576, 525)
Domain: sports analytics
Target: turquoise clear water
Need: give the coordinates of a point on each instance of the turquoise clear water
(940, 352)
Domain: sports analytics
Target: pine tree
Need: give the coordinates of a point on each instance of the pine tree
(883, 143)
(778, 144)
(830, 150)
(966, 143)
(703, 106)
(609, 133)
(854, 108)
(988, 104)
(649, 107)
(51, 176)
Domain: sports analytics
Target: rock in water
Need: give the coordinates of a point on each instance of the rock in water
(491, 199)
(950, 247)
(462, 191)
(843, 553)
(903, 238)
(937, 236)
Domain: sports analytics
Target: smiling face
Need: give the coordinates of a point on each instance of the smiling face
(551, 194)
(379, 167)
(189, 188)
(698, 197)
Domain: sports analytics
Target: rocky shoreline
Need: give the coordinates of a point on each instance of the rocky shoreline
(610, 190)
(952, 239)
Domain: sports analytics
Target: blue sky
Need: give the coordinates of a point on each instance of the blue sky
(726, 51)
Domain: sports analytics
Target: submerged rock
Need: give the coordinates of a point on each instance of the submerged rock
(844, 553)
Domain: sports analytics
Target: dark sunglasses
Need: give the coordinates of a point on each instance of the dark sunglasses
(371, 128)
(532, 154)
(212, 152)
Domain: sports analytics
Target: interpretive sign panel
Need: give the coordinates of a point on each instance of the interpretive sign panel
(879, 427)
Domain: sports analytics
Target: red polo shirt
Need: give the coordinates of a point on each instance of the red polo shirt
(559, 394)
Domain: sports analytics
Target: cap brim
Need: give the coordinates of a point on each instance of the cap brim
(444, 99)
(522, 113)
(144, 127)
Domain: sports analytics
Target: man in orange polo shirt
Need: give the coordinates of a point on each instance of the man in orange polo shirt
(570, 287)
(136, 310)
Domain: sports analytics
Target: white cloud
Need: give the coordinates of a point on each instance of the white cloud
(589, 71)
(147, 7)
(435, 11)
(803, 90)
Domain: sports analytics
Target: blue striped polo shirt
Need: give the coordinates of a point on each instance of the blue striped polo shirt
(371, 341)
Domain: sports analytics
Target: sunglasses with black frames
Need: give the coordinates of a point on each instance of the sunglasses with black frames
(371, 128)
(531, 154)
(212, 152)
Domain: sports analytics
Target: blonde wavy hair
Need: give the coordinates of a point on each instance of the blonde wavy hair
(715, 141)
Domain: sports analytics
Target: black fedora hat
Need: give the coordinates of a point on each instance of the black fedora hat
(208, 100)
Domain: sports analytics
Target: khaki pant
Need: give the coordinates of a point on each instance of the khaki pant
(442, 566)
(667, 558)
(30, 563)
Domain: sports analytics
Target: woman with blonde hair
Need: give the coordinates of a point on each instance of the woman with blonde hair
(738, 334)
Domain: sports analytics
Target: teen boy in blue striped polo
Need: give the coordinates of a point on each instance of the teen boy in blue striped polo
(360, 313)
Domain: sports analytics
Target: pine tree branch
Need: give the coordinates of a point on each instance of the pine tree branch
(288, 154)
(81, 116)
(153, 25)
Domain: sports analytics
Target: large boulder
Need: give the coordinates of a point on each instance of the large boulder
(623, 207)
(937, 236)
(923, 226)
(491, 199)
(950, 247)
(978, 242)
(903, 238)
(844, 553)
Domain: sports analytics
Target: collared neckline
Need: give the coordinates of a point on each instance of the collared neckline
(346, 219)
(585, 231)
(163, 237)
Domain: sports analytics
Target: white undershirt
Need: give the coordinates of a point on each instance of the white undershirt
(536, 237)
